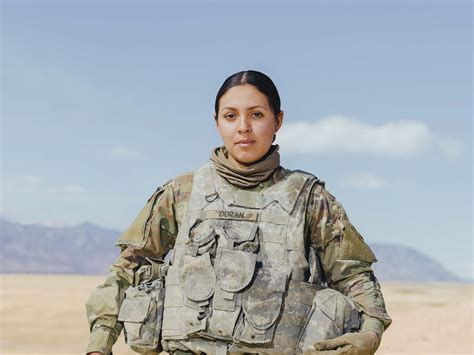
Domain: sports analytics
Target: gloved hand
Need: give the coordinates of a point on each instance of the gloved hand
(361, 343)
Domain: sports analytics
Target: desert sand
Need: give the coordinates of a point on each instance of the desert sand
(42, 314)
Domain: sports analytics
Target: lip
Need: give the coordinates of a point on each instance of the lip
(245, 142)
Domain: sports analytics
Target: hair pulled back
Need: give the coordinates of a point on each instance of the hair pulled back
(261, 81)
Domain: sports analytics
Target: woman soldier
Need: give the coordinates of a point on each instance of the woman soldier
(264, 259)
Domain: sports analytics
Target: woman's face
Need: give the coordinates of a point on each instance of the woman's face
(246, 124)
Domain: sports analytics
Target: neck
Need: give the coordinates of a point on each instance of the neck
(238, 164)
(245, 174)
(244, 166)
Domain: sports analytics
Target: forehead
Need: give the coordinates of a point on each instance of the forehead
(242, 96)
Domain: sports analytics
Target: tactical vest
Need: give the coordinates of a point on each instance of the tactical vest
(239, 270)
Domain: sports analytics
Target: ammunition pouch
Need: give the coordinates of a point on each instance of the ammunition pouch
(262, 305)
(142, 310)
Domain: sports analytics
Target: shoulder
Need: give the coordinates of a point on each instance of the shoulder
(284, 173)
(179, 188)
(318, 189)
(176, 186)
(351, 244)
(182, 185)
(335, 210)
(183, 179)
(324, 205)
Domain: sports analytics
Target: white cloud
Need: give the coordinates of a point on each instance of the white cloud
(338, 134)
(364, 181)
(123, 152)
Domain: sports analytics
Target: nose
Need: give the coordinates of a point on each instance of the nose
(244, 126)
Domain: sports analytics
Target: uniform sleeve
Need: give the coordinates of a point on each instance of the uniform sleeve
(346, 259)
(152, 234)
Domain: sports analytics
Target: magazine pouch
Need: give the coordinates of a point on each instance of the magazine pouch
(141, 314)
(262, 306)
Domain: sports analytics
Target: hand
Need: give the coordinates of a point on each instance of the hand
(362, 343)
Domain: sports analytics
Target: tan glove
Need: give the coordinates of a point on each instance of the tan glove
(362, 343)
(323, 352)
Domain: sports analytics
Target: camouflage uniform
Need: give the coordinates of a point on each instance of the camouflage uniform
(345, 259)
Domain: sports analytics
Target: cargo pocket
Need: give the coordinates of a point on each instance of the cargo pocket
(198, 281)
(202, 237)
(235, 270)
(198, 277)
(173, 304)
(262, 305)
(240, 235)
(142, 313)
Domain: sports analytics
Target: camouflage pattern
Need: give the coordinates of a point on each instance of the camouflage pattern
(234, 255)
(141, 313)
(332, 315)
(160, 217)
(344, 257)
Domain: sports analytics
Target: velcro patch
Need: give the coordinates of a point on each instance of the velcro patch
(236, 215)
(353, 246)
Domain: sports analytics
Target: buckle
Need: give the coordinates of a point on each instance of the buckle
(149, 286)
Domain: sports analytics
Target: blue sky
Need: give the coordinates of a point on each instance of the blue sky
(105, 100)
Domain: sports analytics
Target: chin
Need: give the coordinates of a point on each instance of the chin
(248, 159)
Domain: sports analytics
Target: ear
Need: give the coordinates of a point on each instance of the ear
(279, 120)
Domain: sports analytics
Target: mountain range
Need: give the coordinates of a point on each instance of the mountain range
(90, 249)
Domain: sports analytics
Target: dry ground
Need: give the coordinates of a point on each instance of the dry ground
(45, 314)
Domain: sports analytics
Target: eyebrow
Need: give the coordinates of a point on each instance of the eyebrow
(250, 108)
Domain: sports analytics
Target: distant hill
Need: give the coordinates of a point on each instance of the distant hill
(397, 262)
(89, 249)
(31, 248)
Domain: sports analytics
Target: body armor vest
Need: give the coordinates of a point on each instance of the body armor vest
(239, 270)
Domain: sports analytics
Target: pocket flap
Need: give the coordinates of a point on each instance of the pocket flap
(261, 314)
(235, 269)
(135, 309)
(241, 231)
(263, 300)
(202, 233)
(198, 277)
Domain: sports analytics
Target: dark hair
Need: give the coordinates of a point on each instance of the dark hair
(262, 82)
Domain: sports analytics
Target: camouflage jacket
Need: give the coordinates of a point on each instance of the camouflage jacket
(345, 258)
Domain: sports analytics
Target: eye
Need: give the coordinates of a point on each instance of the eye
(229, 116)
(258, 114)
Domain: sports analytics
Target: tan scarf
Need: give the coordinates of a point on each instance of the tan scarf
(250, 176)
